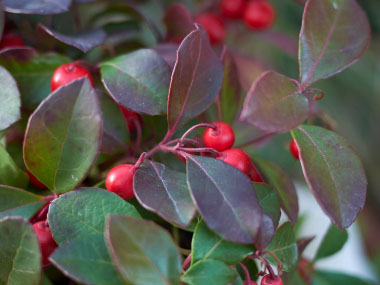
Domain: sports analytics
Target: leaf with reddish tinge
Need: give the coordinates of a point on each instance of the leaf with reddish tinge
(232, 212)
(275, 104)
(164, 192)
(40, 7)
(178, 21)
(63, 136)
(334, 35)
(333, 172)
(196, 79)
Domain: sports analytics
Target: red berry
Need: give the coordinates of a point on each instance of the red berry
(220, 138)
(11, 40)
(45, 238)
(254, 175)
(259, 15)
(267, 280)
(35, 182)
(294, 149)
(67, 73)
(120, 181)
(213, 26)
(237, 158)
(131, 118)
(233, 8)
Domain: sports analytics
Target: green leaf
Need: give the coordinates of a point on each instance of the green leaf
(332, 242)
(10, 99)
(63, 136)
(18, 202)
(269, 201)
(209, 272)
(322, 277)
(333, 172)
(83, 211)
(208, 245)
(138, 81)
(10, 174)
(19, 253)
(86, 260)
(143, 252)
(284, 246)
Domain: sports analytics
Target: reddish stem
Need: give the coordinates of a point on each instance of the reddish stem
(246, 272)
(205, 125)
(138, 162)
(186, 263)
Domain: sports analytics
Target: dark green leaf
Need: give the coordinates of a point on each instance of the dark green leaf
(269, 201)
(42, 7)
(333, 172)
(139, 81)
(232, 212)
(19, 253)
(164, 192)
(143, 252)
(63, 136)
(10, 174)
(82, 212)
(86, 260)
(322, 277)
(332, 242)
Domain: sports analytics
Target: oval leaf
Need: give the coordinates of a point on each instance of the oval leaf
(164, 192)
(19, 252)
(18, 202)
(82, 212)
(84, 41)
(323, 277)
(333, 172)
(179, 22)
(138, 80)
(40, 7)
(10, 99)
(196, 79)
(143, 252)
(232, 212)
(274, 104)
(63, 136)
(10, 174)
(79, 257)
(269, 201)
(334, 35)
(332, 242)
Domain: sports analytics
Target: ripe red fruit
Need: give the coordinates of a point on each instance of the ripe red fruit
(35, 182)
(267, 280)
(11, 40)
(259, 15)
(233, 8)
(120, 181)
(254, 175)
(220, 138)
(213, 26)
(45, 238)
(67, 73)
(294, 149)
(131, 118)
(237, 158)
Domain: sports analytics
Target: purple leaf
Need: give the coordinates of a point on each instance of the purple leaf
(168, 52)
(84, 41)
(225, 198)
(196, 79)
(275, 104)
(179, 22)
(40, 7)
(334, 173)
(334, 35)
(164, 192)
(266, 232)
(18, 53)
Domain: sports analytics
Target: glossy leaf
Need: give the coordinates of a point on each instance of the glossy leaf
(196, 79)
(19, 253)
(284, 246)
(82, 212)
(138, 80)
(178, 21)
(86, 260)
(18, 202)
(332, 242)
(164, 192)
(265, 233)
(333, 172)
(208, 245)
(283, 185)
(10, 174)
(209, 272)
(269, 201)
(274, 103)
(10, 99)
(334, 35)
(41, 7)
(143, 252)
(84, 41)
(232, 212)
(63, 136)
(322, 277)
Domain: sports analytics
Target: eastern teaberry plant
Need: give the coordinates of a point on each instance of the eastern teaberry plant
(125, 91)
